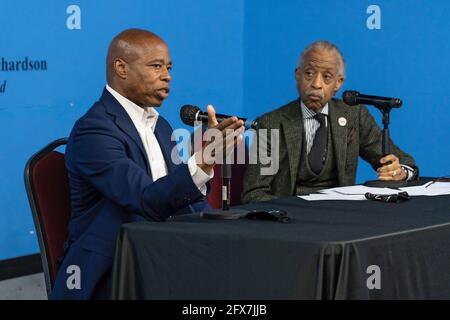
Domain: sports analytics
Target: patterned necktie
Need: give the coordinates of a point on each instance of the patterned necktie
(316, 156)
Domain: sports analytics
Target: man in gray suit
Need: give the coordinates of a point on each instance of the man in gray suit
(320, 138)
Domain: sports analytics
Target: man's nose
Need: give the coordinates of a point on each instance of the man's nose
(165, 75)
(317, 81)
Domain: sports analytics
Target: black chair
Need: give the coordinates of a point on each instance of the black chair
(47, 187)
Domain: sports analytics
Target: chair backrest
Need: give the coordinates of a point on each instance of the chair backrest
(48, 192)
(237, 176)
(241, 154)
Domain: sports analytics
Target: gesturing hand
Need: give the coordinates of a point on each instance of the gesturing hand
(222, 138)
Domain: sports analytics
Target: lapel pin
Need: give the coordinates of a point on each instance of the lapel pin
(342, 121)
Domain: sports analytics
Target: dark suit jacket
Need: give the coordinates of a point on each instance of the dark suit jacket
(361, 136)
(111, 184)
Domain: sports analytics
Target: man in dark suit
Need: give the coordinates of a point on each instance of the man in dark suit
(320, 138)
(120, 165)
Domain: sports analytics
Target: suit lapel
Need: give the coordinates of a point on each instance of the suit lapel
(163, 134)
(339, 126)
(123, 121)
(293, 134)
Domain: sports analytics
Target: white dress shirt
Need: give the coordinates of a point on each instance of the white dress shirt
(311, 124)
(144, 119)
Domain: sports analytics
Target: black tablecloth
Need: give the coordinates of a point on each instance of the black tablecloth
(324, 253)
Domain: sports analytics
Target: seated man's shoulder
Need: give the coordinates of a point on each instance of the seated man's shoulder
(340, 104)
(95, 117)
(274, 117)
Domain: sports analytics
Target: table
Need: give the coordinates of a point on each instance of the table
(330, 250)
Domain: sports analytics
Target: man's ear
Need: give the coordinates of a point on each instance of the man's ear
(297, 74)
(120, 67)
(339, 84)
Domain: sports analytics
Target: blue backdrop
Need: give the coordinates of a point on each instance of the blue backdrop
(238, 55)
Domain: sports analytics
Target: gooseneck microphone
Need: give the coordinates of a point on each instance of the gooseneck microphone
(385, 105)
(352, 98)
(190, 114)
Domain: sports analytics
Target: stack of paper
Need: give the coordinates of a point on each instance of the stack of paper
(347, 193)
(429, 189)
(331, 196)
(358, 192)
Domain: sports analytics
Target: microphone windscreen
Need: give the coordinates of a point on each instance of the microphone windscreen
(187, 114)
(349, 97)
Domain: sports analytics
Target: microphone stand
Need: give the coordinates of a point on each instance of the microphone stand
(226, 212)
(385, 150)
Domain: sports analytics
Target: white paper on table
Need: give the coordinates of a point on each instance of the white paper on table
(429, 189)
(359, 190)
(332, 196)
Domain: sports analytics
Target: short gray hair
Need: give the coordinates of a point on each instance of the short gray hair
(328, 46)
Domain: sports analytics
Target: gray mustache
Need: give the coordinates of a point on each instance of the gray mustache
(315, 93)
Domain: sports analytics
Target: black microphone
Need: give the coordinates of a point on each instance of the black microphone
(396, 197)
(190, 114)
(352, 98)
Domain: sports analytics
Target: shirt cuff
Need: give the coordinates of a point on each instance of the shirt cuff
(199, 176)
(409, 170)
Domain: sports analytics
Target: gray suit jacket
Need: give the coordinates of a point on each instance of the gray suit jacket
(360, 136)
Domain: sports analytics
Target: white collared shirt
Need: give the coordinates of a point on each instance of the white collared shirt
(144, 120)
(311, 124)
